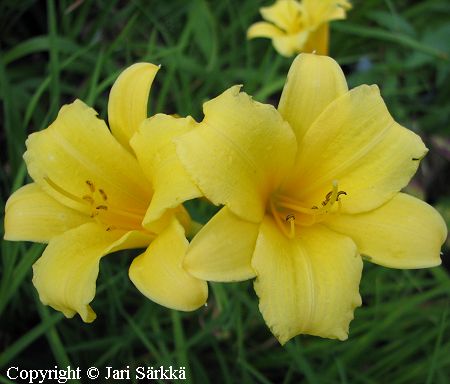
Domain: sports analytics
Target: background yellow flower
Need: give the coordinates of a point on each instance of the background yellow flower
(299, 26)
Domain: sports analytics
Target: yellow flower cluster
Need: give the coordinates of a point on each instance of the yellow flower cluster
(306, 190)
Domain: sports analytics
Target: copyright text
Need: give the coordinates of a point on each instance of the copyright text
(59, 375)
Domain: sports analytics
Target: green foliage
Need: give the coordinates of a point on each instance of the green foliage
(54, 52)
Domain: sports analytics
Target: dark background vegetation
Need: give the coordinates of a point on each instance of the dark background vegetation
(52, 52)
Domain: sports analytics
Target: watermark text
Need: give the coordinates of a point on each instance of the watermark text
(62, 375)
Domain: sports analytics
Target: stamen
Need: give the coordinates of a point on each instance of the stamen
(291, 220)
(339, 200)
(92, 199)
(103, 194)
(89, 199)
(341, 193)
(91, 185)
(279, 204)
(278, 221)
(333, 196)
(91, 204)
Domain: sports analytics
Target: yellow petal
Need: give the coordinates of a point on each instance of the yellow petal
(318, 40)
(32, 215)
(65, 274)
(158, 225)
(263, 29)
(240, 151)
(127, 105)
(313, 82)
(157, 156)
(77, 156)
(318, 12)
(223, 249)
(159, 275)
(356, 142)
(403, 233)
(289, 45)
(285, 14)
(307, 285)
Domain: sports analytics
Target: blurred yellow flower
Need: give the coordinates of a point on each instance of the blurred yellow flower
(296, 27)
(306, 190)
(90, 197)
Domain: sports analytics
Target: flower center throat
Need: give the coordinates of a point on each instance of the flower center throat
(289, 213)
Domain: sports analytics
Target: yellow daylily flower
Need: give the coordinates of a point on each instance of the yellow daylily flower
(90, 197)
(296, 27)
(306, 190)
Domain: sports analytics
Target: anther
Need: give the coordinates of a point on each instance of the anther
(334, 192)
(91, 185)
(104, 207)
(89, 199)
(103, 194)
(290, 217)
(291, 220)
(341, 193)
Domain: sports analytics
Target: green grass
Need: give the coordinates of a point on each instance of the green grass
(53, 52)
